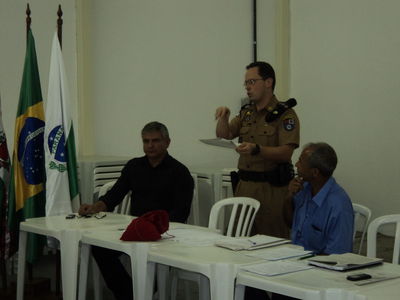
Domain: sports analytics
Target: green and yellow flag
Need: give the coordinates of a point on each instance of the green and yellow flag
(27, 194)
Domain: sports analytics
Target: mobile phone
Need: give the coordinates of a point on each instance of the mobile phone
(357, 277)
(70, 216)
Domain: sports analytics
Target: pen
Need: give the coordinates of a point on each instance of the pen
(307, 256)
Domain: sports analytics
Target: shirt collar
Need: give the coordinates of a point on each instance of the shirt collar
(320, 197)
(270, 107)
(165, 161)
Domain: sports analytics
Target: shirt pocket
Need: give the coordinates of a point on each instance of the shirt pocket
(244, 134)
(267, 135)
(317, 237)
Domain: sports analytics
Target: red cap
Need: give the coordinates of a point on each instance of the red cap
(147, 227)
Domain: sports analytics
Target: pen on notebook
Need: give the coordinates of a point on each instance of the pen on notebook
(252, 242)
(307, 256)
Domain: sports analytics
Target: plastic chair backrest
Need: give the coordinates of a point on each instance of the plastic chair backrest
(105, 174)
(362, 216)
(373, 231)
(243, 223)
(195, 202)
(125, 206)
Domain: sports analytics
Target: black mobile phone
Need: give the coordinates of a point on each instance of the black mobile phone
(357, 277)
(70, 216)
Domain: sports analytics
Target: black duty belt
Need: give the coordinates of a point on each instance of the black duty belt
(257, 176)
(280, 176)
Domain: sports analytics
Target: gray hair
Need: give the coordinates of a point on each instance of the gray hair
(156, 126)
(323, 157)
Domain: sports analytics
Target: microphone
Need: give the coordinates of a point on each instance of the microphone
(280, 109)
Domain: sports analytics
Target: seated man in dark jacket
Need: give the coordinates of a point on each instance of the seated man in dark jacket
(157, 181)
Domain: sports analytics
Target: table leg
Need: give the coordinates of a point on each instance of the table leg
(83, 271)
(69, 245)
(21, 264)
(222, 281)
(142, 271)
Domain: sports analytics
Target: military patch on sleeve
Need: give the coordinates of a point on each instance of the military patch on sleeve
(289, 124)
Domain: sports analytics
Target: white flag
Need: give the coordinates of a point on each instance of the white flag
(62, 195)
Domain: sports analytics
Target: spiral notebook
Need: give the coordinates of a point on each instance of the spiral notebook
(344, 262)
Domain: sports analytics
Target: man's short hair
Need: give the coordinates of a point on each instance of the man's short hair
(323, 157)
(156, 126)
(265, 70)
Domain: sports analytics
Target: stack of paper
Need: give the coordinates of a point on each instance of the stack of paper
(344, 262)
(274, 268)
(255, 242)
(279, 253)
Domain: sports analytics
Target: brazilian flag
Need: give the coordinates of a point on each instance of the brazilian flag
(27, 194)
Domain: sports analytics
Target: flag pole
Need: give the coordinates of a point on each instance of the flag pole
(28, 27)
(28, 19)
(58, 254)
(59, 24)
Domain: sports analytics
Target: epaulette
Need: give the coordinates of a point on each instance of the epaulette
(278, 111)
(245, 106)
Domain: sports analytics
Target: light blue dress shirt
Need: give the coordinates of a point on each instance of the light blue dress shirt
(323, 223)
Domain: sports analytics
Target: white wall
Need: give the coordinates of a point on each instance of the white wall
(173, 61)
(13, 45)
(345, 71)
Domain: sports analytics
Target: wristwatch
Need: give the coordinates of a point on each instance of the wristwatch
(255, 150)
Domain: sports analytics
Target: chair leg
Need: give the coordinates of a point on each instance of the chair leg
(174, 285)
(204, 288)
(239, 292)
(98, 281)
(187, 289)
(162, 279)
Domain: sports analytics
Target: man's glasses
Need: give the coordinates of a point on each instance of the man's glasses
(251, 81)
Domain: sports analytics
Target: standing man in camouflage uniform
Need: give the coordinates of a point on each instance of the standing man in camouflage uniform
(268, 132)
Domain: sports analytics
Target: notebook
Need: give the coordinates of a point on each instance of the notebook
(344, 262)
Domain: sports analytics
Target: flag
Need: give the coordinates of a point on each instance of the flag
(62, 196)
(27, 195)
(4, 182)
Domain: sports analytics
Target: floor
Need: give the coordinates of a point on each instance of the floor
(45, 269)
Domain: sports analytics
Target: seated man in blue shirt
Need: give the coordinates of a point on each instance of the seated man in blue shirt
(323, 218)
(321, 210)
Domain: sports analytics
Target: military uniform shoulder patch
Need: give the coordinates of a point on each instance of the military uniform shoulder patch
(289, 123)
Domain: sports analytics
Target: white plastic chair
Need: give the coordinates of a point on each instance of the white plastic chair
(105, 174)
(195, 211)
(123, 208)
(362, 216)
(373, 231)
(242, 215)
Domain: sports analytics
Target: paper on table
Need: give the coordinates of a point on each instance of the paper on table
(250, 243)
(220, 143)
(278, 253)
(274, 268)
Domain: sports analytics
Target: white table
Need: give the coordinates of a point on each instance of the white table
(320, 284)
(68, 232)
(138, 252)
(219, 265)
